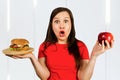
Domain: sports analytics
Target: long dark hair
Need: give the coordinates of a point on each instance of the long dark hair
(72, 41)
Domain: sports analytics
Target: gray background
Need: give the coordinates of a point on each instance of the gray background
(29, 19)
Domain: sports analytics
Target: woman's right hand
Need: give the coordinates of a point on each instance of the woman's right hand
(28, 55)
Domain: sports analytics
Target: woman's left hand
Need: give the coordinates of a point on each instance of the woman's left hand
(101, 48)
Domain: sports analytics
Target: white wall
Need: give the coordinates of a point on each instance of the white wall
(30, 21)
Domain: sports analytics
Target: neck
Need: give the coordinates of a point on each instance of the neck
(62, 42)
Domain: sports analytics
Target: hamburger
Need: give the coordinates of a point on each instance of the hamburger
(19, 44)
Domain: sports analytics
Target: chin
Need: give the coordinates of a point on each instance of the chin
(62, 40)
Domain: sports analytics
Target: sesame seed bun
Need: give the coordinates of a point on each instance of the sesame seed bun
(19, 41)
(19, 44)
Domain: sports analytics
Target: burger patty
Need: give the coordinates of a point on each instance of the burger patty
(16, 47)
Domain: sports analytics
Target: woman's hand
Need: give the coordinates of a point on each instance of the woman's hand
(101, 48)
(29, 55)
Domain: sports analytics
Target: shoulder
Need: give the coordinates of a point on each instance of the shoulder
(83, 49)
(42, 45)
(45, 45)
(80, 43)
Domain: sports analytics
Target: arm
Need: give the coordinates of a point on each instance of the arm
(39, 65)
(86, 70)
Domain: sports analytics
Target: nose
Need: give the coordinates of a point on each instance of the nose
(62, 26)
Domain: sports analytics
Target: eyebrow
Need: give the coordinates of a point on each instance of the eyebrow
(58, 18)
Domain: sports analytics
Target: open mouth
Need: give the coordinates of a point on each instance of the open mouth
(62, 33)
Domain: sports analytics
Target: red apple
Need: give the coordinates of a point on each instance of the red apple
(105, 36)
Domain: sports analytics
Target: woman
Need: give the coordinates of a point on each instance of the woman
(62, 56)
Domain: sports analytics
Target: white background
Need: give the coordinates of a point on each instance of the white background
(29, 19)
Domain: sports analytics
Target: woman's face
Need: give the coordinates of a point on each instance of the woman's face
(61, 26)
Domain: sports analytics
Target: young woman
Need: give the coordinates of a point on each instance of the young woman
(62, 56)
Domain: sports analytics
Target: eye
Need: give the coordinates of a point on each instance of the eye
(56, 21)
(66, 21)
